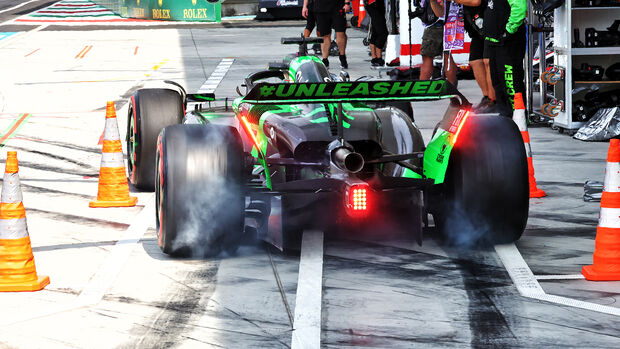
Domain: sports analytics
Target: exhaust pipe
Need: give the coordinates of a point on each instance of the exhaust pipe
(347, 160)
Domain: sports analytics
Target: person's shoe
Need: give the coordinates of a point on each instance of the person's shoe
(490, 107)
(317, 49)
(326, 62)
(333, 49)
(374, 62)
(483, 103)
(343, 62)
(381, 62)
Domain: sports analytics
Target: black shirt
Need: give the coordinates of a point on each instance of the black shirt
(473, 19)
(328, 5)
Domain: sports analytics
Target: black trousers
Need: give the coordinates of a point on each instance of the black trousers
(378, 27)
(507, 74)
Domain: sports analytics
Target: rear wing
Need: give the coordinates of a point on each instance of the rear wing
(352, 91)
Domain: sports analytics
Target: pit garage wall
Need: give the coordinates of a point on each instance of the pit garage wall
(168, 10)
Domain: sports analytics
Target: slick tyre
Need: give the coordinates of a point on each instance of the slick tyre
(199, 190)
(486, 194)
(150, 111)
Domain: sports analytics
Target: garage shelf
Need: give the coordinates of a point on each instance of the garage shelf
(566, 19)
(581, 51)
(595, 8)
(598, 82)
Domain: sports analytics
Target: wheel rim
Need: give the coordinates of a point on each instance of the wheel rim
(159, 191)
(132, 145)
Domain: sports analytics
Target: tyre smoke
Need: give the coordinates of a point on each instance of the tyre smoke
(209, 197)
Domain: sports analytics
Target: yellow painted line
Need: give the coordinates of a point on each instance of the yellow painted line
(157, 66)
(84, 51)
(154, 69)
(87, 50)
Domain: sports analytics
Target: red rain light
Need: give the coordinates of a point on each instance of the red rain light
(358, 198)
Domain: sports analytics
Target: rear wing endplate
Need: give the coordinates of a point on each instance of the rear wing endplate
(352, 91)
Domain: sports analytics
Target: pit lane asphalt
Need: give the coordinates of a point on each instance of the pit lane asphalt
(377, 292)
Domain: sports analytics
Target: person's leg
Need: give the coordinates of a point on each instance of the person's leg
(380, 29)
(341, 40)
(489, 82)
(432, 45)
(480, 75)
(327, 42)
(497, 69)
(510, 65)
(450, 68)
(323, 26)
(340, 26)
(476, 51)
(426, 69)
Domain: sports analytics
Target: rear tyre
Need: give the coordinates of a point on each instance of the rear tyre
(149, 112)
(486, 191)
(200, 197)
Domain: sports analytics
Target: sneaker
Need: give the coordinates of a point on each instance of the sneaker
(333, 49)
(326, 62)
(490, 107)
(317, 49)
(373, 62)
(343, 62)
(483, 103)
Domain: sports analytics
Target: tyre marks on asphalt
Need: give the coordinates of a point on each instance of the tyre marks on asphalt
(229, 302)
(168, 327)
(105, 276)
(385, 296)
(488, 324)
(101, 281)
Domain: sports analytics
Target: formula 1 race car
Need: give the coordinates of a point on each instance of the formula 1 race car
(308, 152)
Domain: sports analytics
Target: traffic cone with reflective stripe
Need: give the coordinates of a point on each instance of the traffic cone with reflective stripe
(362, 14)
(606, 266)
(17, 269)
(518, 117)
(113, 187)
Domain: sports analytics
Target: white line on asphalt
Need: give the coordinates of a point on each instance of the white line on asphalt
(107, 273)
(560, 277)
(307, 324)
(18, 6)
(526, 283)
(21, 35)
(216, 76)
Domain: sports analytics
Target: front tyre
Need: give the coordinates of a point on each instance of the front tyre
(199, 190)
(486, 191)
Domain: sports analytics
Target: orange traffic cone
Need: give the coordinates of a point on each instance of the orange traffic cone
(606, 266)
(17, 269)
(518, 117)
(113, 187)
(362, 14)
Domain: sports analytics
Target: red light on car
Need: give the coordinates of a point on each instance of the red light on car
(248, 129)
(358, 198)
(461, 118)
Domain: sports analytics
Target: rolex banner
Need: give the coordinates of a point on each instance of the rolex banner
(167, 10)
